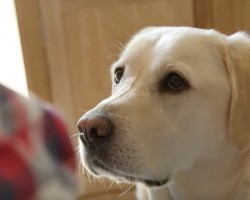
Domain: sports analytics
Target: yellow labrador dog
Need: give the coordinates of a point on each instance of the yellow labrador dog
(178, 120)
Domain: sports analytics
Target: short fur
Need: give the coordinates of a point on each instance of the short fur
(197, 139)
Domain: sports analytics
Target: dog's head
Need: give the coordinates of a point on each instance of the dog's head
(178, 94)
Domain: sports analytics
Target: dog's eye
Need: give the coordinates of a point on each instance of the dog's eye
(118, 75)
(174, 82)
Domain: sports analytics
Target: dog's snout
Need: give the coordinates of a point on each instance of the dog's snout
(94, 127)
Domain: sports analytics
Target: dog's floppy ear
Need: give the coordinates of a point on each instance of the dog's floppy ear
(237, 61)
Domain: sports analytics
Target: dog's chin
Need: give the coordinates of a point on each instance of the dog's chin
(98, 168)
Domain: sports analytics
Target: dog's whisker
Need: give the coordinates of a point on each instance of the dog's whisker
(126, 191)
(111, 185)
(122, 45)
(113, 55)
(77, 149)
(74, 135)
(118, 47)
(102, 181)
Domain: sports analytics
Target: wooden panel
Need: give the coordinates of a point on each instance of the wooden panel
(203, 13)
(227, 16)
(33, 49)
(95, 31)
(57, 56)
(246, 16)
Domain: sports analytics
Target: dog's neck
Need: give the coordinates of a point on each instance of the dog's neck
(214, 179)
(218, 177)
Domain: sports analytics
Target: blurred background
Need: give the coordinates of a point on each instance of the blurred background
(61, 50)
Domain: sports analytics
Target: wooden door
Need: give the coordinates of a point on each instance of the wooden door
(227, 16)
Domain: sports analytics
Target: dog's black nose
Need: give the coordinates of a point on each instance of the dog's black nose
(92, 128)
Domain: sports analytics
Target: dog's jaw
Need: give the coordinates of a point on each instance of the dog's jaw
(124, 177)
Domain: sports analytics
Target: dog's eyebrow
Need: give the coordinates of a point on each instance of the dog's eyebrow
(116, 65)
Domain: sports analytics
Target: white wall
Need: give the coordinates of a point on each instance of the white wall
(12, 73)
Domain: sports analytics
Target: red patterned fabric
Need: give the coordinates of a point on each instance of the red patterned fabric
(37, 161)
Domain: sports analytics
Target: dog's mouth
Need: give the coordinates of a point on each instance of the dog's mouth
(97, 165)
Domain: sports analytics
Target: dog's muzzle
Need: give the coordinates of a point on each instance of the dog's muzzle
(96, 132)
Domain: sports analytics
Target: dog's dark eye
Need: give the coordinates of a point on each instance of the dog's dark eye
(118, 75)
(173, 82)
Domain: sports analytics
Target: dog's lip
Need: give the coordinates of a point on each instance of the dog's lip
(156, 183)
(149, 182)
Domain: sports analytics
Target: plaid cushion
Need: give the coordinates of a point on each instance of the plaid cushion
(36, 156)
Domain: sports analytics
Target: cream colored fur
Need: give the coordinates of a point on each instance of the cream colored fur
(199, 138)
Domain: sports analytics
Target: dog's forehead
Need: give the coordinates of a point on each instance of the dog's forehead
(159, 45)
